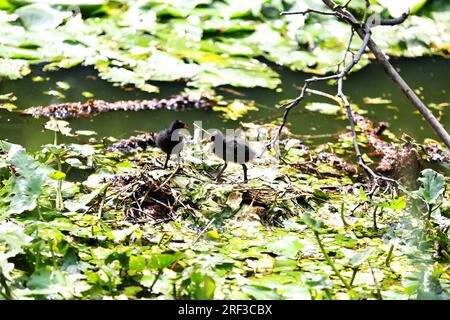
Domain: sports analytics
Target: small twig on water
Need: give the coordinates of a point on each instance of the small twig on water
(204, 230)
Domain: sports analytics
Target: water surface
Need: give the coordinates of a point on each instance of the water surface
(428, 75)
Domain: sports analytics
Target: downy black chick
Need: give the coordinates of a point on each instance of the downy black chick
(166, 140)
(232, 149)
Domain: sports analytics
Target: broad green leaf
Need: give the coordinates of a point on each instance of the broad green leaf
(433, 186)
(40, 16)
(324, 108)
(161, 261)
(202, 286)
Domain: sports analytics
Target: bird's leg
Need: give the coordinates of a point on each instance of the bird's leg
(221, 171)
(178, 159)
(245, 172)
(167, 160)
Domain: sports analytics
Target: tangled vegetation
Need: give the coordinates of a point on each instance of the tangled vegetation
(103, 220)
(114, 224)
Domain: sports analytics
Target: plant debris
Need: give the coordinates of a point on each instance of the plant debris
(134, 143)
(93, 107)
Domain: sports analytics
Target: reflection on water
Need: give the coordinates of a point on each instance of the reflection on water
(429, 75)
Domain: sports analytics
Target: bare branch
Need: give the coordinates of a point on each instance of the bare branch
(390, 70)
(347, 50)
(395, 21)
(304, 12)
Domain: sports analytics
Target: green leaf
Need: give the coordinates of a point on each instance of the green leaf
(59, 126)
(287, 246)
(261, 292)
(360, 258)
(82, 201)
(362, 195)
(396, 204)
(8, 106)
(54, 93)
(202, 286)
(323, 108)
(316, 225)
(41, 16)
(136, 264)
(433, 186)
(14, 68)
(63, 85)
(57, 175)
(161, 261)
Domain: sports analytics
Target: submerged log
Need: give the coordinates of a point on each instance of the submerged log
(93, 107)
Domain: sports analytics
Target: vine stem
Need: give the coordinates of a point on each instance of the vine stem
(330, 262)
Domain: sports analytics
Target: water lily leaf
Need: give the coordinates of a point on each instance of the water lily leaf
(54, 93)
(41, 16)
(378, 100)
(63, 85)
(60, 126)
(87, 94)
(360, 258)
(261, 292)
(122, 76)
(18, 53)
(214, 77)
(86, 133)
(82, 201)
(324, 108)
(235, 110)
(8, 97)
(13, 68)
(8, 106)
(287, 246)
(22, 190)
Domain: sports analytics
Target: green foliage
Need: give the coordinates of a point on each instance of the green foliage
(205, 43)
(433, 186)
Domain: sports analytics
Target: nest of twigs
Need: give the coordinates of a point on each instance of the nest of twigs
(142, 197)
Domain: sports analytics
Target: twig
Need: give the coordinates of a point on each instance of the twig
(395, 21)
(304, 12)
(390, 70)
(375, 281)
(204, 230)
(168, 178)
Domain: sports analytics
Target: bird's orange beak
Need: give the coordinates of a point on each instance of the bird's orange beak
(185, 125)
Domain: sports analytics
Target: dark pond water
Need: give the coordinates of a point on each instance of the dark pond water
(429, 75)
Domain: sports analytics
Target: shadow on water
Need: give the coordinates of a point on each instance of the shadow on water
(429, 75)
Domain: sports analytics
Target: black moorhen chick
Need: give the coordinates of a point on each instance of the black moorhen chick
(232, 149)
(166, 142)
